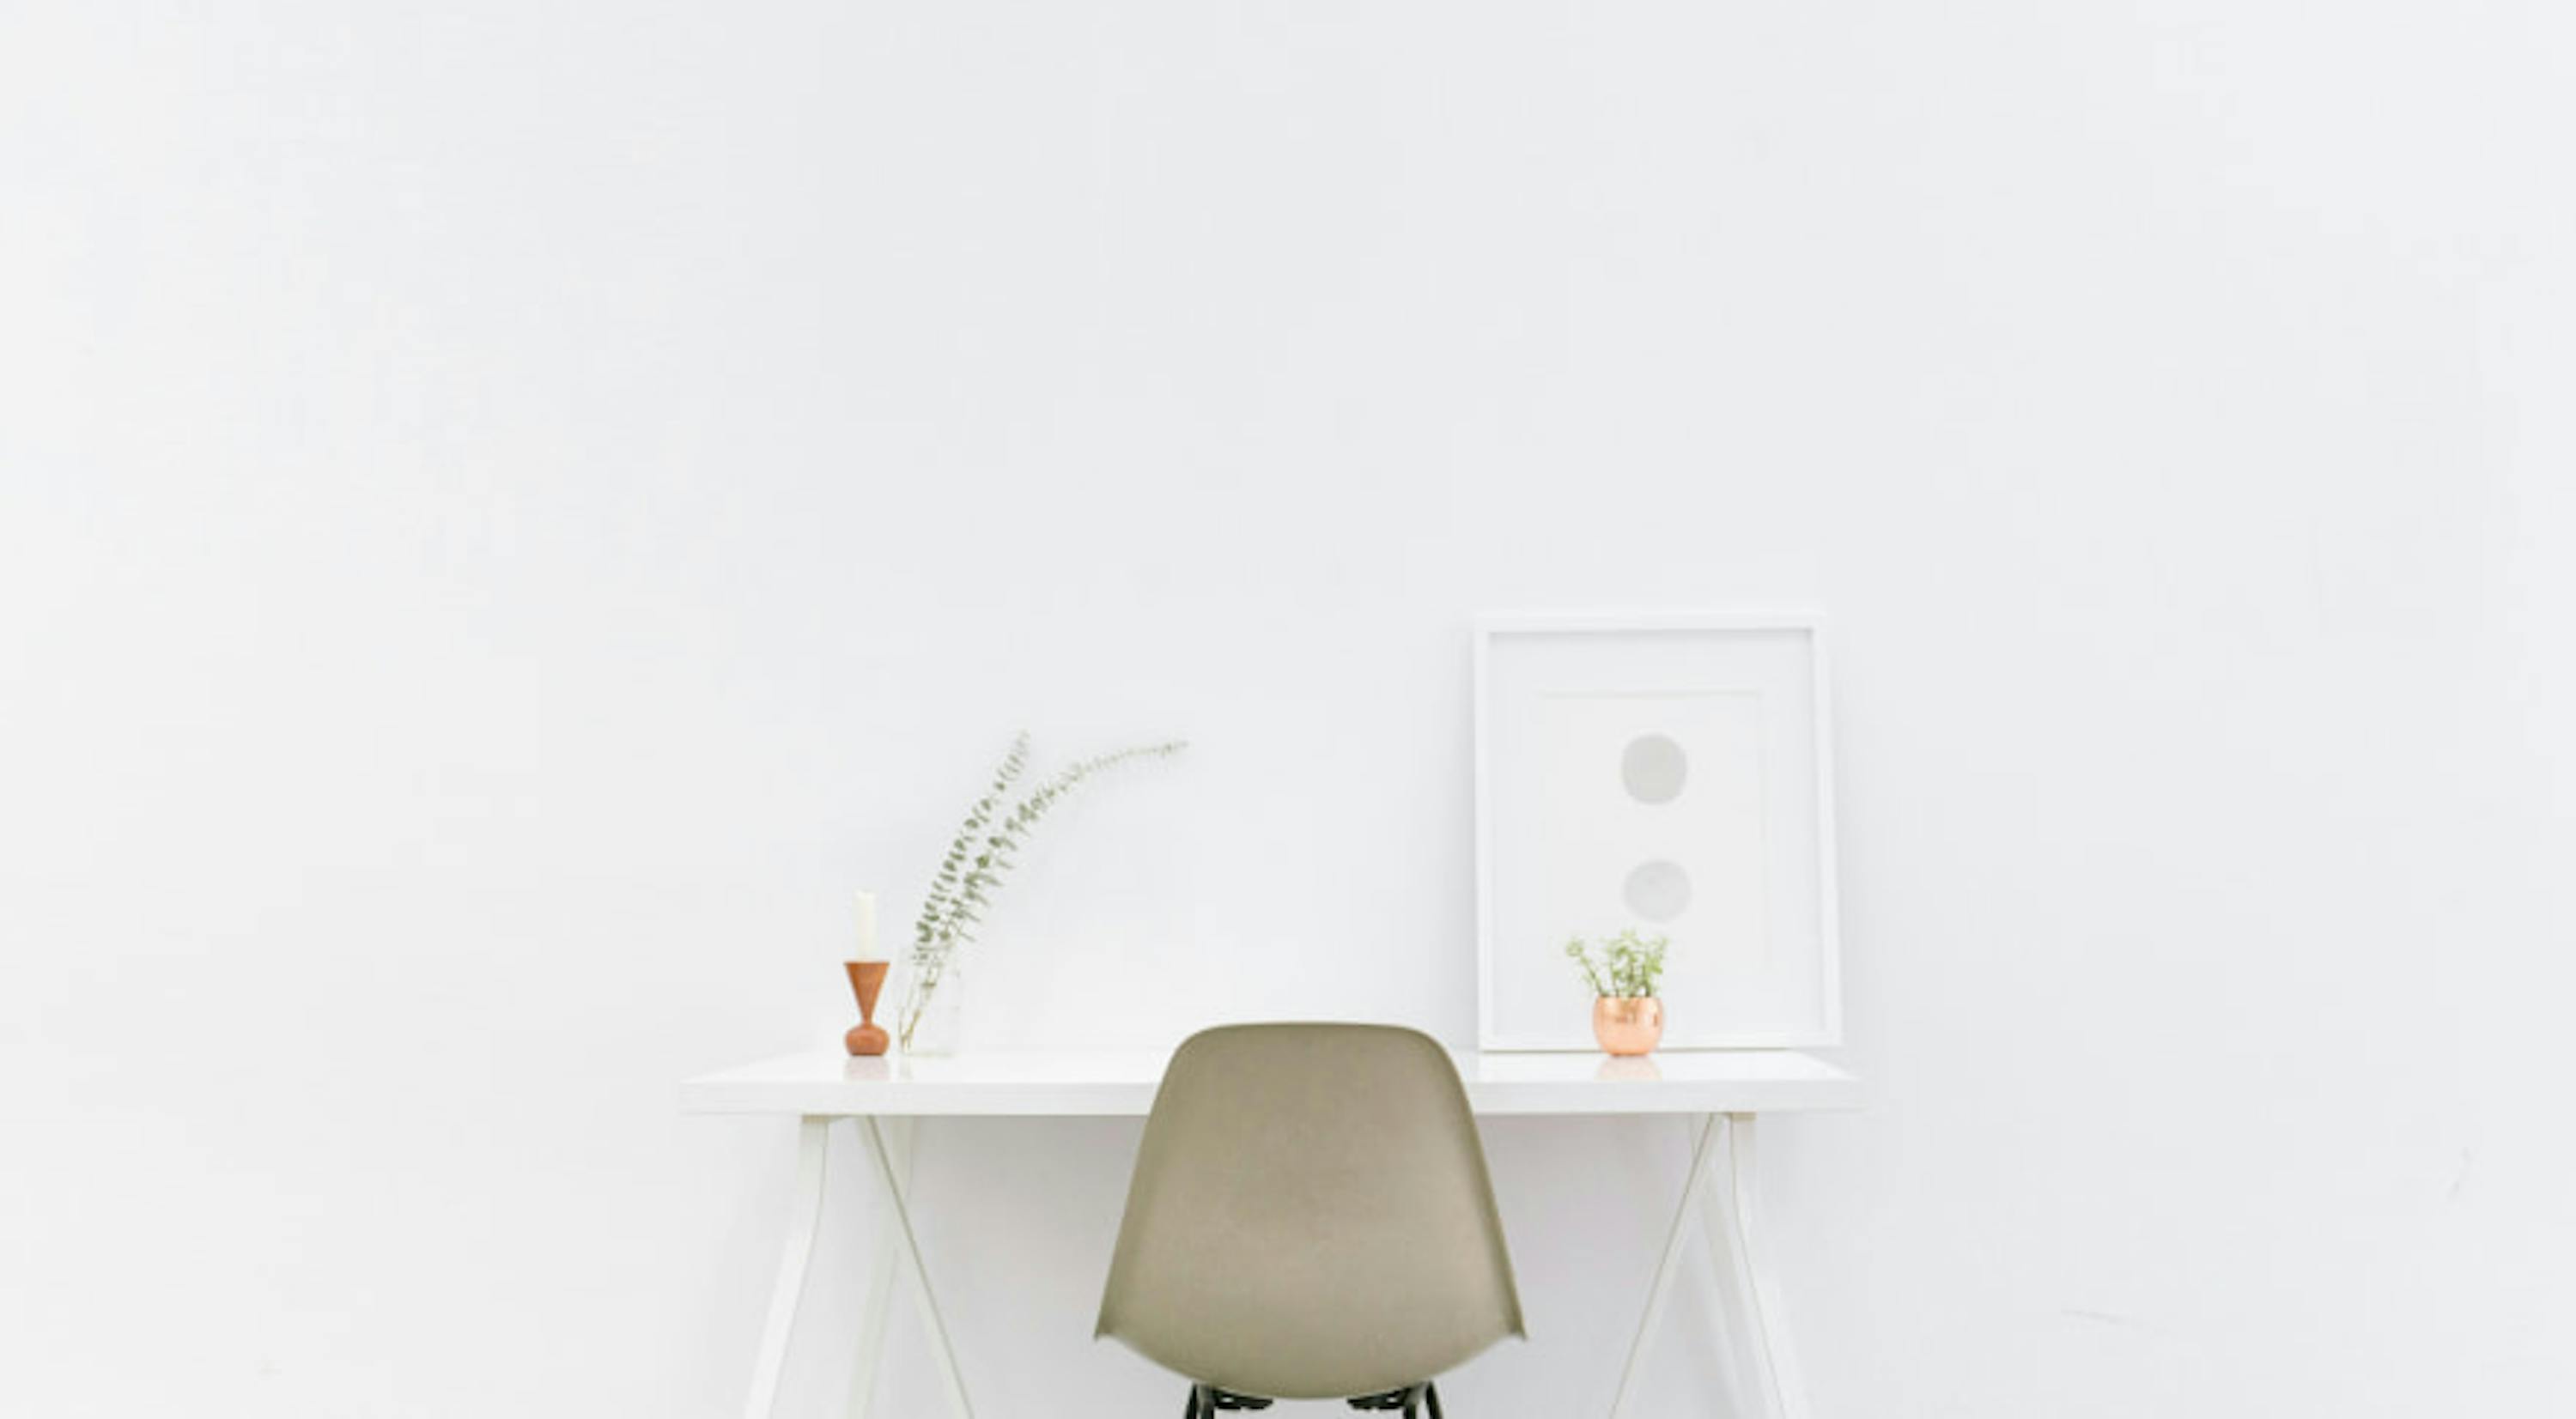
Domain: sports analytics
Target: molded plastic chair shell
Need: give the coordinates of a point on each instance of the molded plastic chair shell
(1310, 1217)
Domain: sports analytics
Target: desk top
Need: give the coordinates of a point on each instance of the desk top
(1121, 1085)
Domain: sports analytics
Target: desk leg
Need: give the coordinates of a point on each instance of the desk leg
(880, 1296)
(894, 1201)
(1731, 1200)
(1701, 1158)
(805, 1210)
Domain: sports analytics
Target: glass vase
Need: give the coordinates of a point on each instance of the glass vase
(936, 1025)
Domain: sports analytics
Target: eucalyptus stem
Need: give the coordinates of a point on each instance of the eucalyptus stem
(982, 854)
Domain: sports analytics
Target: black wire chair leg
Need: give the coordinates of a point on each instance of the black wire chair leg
(1206, 1400)
(1409, 1399)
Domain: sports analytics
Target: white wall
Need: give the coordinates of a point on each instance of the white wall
(512, 511)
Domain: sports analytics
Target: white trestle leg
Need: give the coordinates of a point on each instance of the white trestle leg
(878, 1304)
(804, 1213)
(893, 1198)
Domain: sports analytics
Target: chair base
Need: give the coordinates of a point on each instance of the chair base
(1414, 1400)
(1420, 1401)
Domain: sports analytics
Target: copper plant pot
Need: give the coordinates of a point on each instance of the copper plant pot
(1628, 1025)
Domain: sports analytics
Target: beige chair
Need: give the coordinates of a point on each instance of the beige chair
(1310, 1219)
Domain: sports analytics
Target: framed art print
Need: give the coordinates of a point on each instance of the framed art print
(1670, 774)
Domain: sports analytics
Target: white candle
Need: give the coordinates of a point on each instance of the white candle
(867, 945)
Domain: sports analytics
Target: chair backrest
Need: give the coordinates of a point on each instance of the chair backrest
(1310, 1217)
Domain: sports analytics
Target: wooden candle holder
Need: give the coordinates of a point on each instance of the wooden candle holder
(867, 979)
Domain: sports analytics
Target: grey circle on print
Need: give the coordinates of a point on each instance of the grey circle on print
(1658, 891)
(1654, 768)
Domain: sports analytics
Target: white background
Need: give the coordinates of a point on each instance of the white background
(512, 511)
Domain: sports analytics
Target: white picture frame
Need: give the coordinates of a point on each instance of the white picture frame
(1695, 746)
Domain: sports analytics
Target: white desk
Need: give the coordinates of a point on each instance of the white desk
(1724, 1091)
